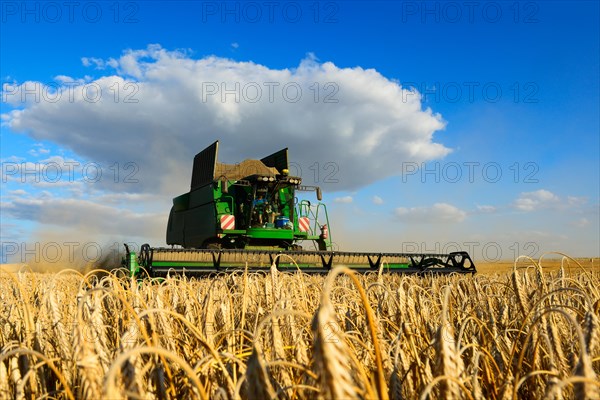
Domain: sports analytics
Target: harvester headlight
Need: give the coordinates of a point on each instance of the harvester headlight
(264, 178)
(271, 179)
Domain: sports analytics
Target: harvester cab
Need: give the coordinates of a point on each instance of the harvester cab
(250, 205)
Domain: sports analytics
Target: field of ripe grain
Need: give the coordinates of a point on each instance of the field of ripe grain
(529, 334)
(549, 265)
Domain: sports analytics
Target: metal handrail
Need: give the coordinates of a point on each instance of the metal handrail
(328, 241)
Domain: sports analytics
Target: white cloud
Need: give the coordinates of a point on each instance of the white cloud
(87, 216)
(12, 159)
(60, 160)
(345, 199)
(38, 151)
(543, 195)
(98, 63)
(439, 212)
(235, 45)
(530, 201)
(576, 201)
(581, 223)
(377, 200)
(486, 208)
(70, 80)
(169, 111)
(125, 198)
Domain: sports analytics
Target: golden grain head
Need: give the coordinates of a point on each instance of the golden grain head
(532, 333)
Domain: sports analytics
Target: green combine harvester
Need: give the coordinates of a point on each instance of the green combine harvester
(248, 215)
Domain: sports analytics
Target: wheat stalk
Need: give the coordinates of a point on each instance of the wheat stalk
(530, 334)
(448, 360)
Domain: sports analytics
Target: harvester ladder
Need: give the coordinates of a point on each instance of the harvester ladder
(306, 209)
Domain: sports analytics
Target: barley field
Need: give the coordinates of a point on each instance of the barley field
(525, 334)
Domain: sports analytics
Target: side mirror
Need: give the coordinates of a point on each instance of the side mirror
(319, 194)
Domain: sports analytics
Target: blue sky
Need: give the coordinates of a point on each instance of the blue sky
(432, 125)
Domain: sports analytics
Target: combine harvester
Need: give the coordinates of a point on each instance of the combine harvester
(248, 215)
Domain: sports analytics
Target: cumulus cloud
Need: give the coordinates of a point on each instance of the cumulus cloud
(377, 200)
(158, 108)
(576, 201)
(344, 199)
(530, 201)
(439, 212)
(12, 159)
(87, 216)
(38, 151)
(92, 61)
(486, 208)
(581, 223)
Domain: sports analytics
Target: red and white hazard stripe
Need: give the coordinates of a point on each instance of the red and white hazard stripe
(324, 232)
(303, 224)
(227, 222)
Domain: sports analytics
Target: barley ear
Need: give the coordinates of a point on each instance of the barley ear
(330, 354)
(585, 389)
(448, 360)
(520, 292)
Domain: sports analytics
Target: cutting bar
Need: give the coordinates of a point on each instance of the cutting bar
(159, 261)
